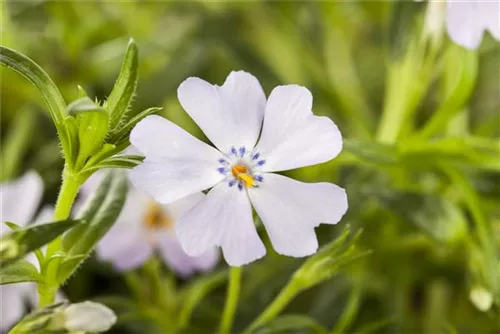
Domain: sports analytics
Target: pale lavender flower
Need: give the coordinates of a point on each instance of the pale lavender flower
(145, 225)
(19, 202)
(239, 171)
(466, 21)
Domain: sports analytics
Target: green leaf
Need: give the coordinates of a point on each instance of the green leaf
(72, 140)
(434, 215)
(371, 151)
(41, 80)
(458, 81)
(31, 238)
(123, 92)
(99, 214)
(119, 161)
(401, 27)
(21, 271)
(92, 122)
(195, 293)
(13, 226)
(291, 323)
(124, 130)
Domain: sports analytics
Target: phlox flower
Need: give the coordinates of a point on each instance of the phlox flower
(466, 21)
(19, 201)
(144, 226)
(240, 170)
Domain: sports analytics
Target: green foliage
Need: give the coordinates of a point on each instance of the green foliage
(87, 131)
(120, 99)
(20, 271)
(420, 122)
(20, 242)
(98, 215)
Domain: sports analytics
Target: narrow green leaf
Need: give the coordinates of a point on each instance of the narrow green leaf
(402, 26)
(92, 122)
(371, 151)
(33, 237)
(41, 80)
(119, 161)
(195, 293)
(107, 150)
(21, 271)
(292, 323)
(72, 145)
(458, 81)
(13, 226)
(99, 214)
(124, 130)
(434, 215)
(123, 92)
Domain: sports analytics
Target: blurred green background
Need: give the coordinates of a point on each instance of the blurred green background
(425, 189)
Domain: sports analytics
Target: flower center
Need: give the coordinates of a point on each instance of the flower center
(242, 167)
(156, 218)
(240, 172)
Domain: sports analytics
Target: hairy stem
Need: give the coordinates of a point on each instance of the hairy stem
(65, 200)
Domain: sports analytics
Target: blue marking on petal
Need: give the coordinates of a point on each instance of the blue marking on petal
(242, 151)
(222, 170)
(261, 163)
(232, 183)
(224, 162)
(256, 156)
(233, 151)
(240, 186)
(259, 178)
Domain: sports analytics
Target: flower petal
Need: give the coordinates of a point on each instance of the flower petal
(465, 24)
(292, 136)
(11, 295)
(290, 210)
(126, 244)
(490, 16)
(183, 264)
(176, 165)
(176, 209)
(20, 199)
(223, 218)
(230, 115)
(132, 255)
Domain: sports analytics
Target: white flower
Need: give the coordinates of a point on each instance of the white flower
(145, 225)
(466, 21)
(19, 202)
(239, 170)
(89, 317)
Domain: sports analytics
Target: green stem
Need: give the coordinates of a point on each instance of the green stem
(280, 302)
(65, 200)
(233, 293)
(349, 313)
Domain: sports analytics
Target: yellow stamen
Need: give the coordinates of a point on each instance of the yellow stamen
(248, 179)
(156, 218)
(238, 169)
(240, 172)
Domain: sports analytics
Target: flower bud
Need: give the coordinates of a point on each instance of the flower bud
(88, 317)
(481, 298)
